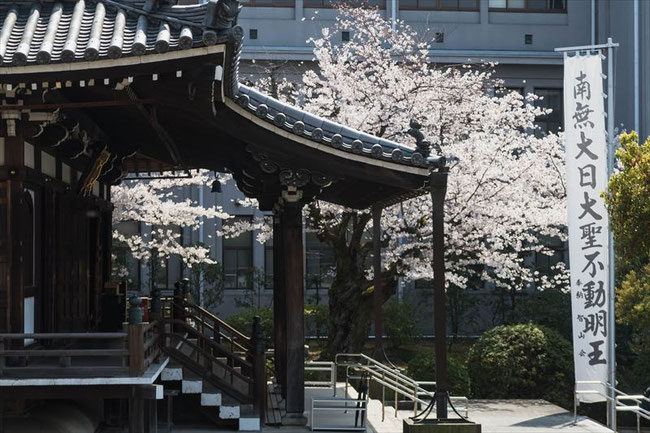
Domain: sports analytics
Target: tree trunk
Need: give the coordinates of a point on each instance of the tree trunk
(351, 303)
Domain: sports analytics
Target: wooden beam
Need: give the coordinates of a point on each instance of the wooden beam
(65, 392)
(77, 105)
(151, 115)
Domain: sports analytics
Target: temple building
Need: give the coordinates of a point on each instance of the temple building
(94, 90)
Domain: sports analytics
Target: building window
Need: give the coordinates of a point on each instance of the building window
(320, 262)
(238, 258)
(551, 98)
(440, 5)
(270, 3)
(345, 36)
(381, 4)
(167, 271)
(268, 264)
(252, 34)
(124, 264)
(528, 5)
(544, 263)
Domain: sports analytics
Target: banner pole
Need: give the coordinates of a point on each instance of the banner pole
(612, 291)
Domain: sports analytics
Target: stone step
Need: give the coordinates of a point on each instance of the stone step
(191, 383)
(248, 419)
(230, 408)
(172, 372)
(210, 396)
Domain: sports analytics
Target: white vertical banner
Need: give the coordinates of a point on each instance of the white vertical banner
(586, 163)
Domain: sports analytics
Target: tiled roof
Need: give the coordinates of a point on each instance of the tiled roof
(42, 32)
(315, 128)
(73, 30)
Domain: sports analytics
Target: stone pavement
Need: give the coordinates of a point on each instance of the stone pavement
(495, 416)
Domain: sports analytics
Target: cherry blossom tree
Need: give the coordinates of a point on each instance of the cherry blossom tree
(159, 205)
(506, 184)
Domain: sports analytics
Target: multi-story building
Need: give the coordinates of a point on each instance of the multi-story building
(520, 35)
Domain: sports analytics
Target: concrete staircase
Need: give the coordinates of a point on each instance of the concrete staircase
(213, 400)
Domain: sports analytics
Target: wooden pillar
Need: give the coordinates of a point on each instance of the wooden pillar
(151, 420)
(438, 186)
(15, 163)
(378, 294)
(279, 322)
(136, 412)
(294, 312)
(2, 415)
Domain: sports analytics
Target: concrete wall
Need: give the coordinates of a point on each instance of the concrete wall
(283, 32)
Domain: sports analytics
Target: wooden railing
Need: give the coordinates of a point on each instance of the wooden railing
(73, 360)
(144, 346)
(212, 340)
(80, 354)
(210, 345)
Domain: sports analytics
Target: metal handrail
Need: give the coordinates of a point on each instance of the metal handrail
(319, 366)
(393, 379)
(619, 396)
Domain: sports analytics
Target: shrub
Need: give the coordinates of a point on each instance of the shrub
(423, 367)
(522, 361)
(243, 320)
(400, 322)
(316, 319)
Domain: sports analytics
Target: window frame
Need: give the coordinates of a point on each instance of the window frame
(438, 7)
(326, 4)
(560, 114)
(272, 4)
(249, 280)
(527, 9)
(320, 248)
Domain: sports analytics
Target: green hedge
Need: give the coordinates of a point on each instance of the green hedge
(243, 320)
(522, 361)
(422, 367)
(315, 319)
(400, 322)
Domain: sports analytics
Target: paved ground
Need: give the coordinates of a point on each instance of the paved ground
(495, 416)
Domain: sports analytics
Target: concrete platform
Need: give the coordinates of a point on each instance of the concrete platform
(528, 416)
(495, 416)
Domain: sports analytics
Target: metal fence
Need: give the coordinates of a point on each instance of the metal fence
(622, 402)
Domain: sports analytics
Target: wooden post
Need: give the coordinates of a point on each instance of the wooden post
(2, 357)
(13, 298)
(136, 412)
(438, 186)
(294, 312)
(178, 312)
(151, 420)
(378, 294)
(279, 322)
(135, 337)
(2, 415)
(259, 369)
